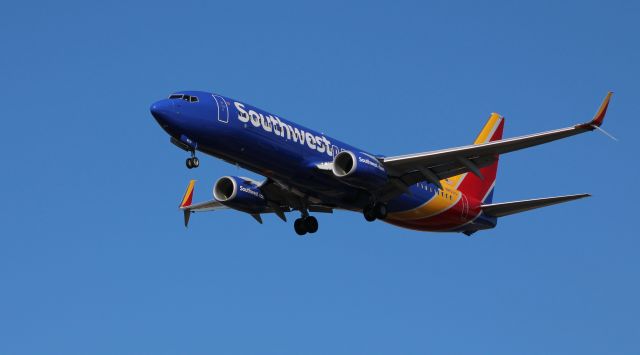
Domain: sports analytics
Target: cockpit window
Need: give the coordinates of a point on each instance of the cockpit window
(187, 98)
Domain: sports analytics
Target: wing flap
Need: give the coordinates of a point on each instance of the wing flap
(508, 208)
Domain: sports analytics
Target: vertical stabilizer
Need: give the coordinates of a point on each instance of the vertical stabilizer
(481, 187)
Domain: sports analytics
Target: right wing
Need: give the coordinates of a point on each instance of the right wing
(440, 164)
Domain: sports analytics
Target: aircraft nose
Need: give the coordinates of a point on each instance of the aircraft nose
(162, 111)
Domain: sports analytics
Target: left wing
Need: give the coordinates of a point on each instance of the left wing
(281, 198)
(188, 208)
(441, 164)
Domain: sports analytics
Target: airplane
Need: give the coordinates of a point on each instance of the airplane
(448, 190)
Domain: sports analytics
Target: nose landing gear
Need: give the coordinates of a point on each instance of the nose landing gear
(192, 162)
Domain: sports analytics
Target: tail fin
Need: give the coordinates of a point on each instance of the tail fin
(472, 185)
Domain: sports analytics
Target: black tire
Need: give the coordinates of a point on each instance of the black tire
(196, 162)
(300, 226)
(189, 163)
(311, 224)
(380, 210)
(369, 214)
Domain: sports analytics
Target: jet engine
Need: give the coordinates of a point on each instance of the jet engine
(240, 193)
(359, 170)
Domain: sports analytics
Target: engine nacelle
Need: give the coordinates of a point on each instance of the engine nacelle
(240, 194)
(359, 170)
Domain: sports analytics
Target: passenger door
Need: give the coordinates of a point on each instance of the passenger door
(465, 207)
(223, 109)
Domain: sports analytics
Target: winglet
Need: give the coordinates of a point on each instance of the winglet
(188, 195)
(187, 214)
(602, 111)
(186, 201)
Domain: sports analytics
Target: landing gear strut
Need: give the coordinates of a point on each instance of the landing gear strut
(306, 224)
(192, 162)
(375, 211)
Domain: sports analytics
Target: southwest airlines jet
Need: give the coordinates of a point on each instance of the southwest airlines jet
(448, 190)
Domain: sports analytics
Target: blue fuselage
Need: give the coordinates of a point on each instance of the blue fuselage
(269, 145)
(259, 141)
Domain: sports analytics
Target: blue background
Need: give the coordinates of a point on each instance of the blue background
(93, 255)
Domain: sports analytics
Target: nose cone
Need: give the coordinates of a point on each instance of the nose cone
(163, 111)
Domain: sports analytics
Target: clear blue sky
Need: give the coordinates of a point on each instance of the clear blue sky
(93, 255)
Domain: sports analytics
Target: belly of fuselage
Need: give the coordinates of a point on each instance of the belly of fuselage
(274, 154)
(285, 163)
(428, 208)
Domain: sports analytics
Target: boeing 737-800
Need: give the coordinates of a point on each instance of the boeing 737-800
(448, 190)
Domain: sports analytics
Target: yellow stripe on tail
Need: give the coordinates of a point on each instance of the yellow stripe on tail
(488, 129)
(483, 137)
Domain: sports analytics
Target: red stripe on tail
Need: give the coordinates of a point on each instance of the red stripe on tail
(472, 186)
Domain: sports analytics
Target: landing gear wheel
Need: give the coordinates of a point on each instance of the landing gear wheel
(300, 226)
(380, 210)
(369, 214)
(311, 224)
(192, 162)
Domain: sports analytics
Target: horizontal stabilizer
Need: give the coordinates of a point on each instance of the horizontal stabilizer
(507, 208)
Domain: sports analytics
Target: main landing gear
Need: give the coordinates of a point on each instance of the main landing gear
(375, 211)
(192, 162)
(306, 224)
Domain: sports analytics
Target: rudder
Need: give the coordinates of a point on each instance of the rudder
(470, 184)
